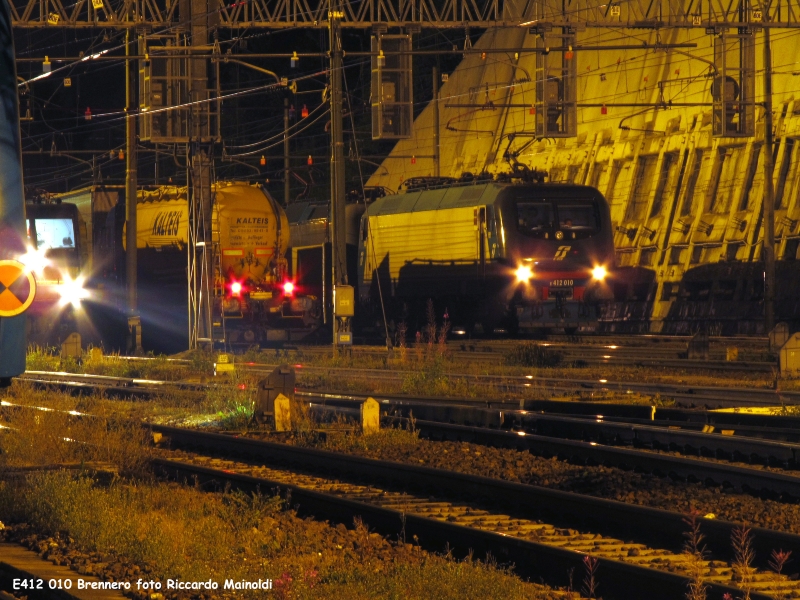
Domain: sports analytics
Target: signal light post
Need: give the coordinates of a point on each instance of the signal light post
(341, 324)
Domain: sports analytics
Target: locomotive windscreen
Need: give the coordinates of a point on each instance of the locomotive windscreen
(55, 233)
(542, 218)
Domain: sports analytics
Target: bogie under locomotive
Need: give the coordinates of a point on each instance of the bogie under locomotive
(524, 256)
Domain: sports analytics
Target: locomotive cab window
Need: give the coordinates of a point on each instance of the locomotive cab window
(543, 219)
(535, 218)
(55, 234)
(578, 220)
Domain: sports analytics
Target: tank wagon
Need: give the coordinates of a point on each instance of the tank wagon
(499, 254)
(255, 299)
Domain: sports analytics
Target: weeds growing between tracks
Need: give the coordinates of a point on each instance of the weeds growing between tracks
(133, 526)
(170, 531)
(47, 428)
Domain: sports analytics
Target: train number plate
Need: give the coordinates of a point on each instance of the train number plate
(562, 282)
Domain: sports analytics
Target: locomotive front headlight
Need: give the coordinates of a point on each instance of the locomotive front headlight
(72, 292)
(599, 273)
(35, 260)
(524, 274)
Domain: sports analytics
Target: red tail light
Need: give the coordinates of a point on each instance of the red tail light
(236, 289)
(288, 288)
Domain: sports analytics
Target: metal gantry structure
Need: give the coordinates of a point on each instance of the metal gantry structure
(735, 22)
(642, 14)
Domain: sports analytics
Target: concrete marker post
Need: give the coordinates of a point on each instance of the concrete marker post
(283, 413)
(789, 356)
(370, 416)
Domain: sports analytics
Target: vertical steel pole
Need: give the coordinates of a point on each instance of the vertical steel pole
(436, 168)
(768, 250)
(338, 238)
(201, 164)
(286, 152)
(131, 264)
(13, 344)
(131, 250)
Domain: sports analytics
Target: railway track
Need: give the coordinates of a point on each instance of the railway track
(683, 394)
(566, 437)
(544, 533)
(610, 545)
(509, 413)
(628, 432)
(757, 481)
(610, 354)
(768, 483)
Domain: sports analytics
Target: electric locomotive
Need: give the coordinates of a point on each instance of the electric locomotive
(500, 254)
(57, 255)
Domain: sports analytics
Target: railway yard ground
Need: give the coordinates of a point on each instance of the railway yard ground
(564, 468)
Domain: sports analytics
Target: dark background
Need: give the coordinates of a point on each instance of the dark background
(59, 125)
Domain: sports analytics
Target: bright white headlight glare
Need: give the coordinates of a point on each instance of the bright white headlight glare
(524, 273)
(34, 259)
(599, 273)
(72, 292)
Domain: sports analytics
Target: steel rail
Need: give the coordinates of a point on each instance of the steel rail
(722, 446)
(113, 387)
(590, 357)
